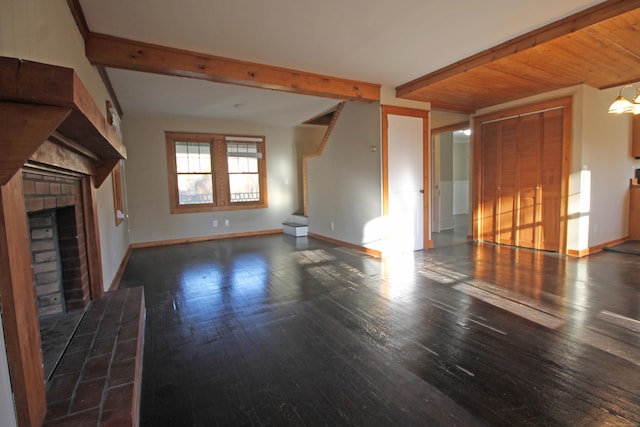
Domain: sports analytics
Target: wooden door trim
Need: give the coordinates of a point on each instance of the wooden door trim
(564, 103)
(426, 143)
(567, 125)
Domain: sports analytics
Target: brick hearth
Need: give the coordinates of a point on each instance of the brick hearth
(97, 382)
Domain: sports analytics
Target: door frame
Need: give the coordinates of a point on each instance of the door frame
(564, 103)
(410, 112)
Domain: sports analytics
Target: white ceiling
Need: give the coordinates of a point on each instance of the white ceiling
(376, 41)
(151, 94)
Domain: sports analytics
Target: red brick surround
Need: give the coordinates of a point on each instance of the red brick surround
(44, 191)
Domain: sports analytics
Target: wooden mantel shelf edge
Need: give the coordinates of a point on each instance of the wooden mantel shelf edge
(32, 83)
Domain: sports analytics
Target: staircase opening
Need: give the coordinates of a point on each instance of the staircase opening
(323, 119)
(313, 148)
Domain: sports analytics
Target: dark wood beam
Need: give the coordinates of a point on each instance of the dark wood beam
(29, 95)
(562, 27)
(36, 83)
(112, 93)
(109, 51)
(78, 16)
(24, 128)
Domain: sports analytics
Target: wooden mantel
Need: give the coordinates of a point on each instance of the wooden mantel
(39, 100)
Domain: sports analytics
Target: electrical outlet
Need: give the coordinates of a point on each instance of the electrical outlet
(332, 226)
(215, 223)
(226, 222)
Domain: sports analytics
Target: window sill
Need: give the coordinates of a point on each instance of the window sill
(212, 208)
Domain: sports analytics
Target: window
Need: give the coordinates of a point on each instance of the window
(209, 172)
(194, 173)
(118, 192)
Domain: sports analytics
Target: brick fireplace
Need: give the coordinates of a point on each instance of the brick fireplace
(57, 149)
(58, 245)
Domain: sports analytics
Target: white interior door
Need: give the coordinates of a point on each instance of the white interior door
(405, 182)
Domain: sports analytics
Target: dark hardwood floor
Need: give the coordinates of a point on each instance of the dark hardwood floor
(452, 236)
(283, 331)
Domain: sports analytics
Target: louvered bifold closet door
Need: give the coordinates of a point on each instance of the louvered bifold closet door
(551, 180)
(529, 177)
(521, 180)
(508, 184)
(489, 179)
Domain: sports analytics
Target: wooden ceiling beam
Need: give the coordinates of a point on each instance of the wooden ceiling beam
(83, 27)
(562, 27)
(78, 16)
(108, 51)
(112, 93)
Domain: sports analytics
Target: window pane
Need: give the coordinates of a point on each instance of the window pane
(242, 164)
(252, 165)
(232, 164)
(182, 164)
(193, 157)
(194, 189)
(244, 150)
(244, 188)
(181, 148)
(182, 158)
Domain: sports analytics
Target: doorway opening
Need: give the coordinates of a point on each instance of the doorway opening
(450, 195)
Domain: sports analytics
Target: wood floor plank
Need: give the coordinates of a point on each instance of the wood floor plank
(278, 330)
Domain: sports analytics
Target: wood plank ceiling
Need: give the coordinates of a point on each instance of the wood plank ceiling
(599, 47)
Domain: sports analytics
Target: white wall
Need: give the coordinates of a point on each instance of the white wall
(601, 166)
(443, 118)
(148, 190)
(115, 242)
(606, 154)
(345, 183)
(44, 31)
